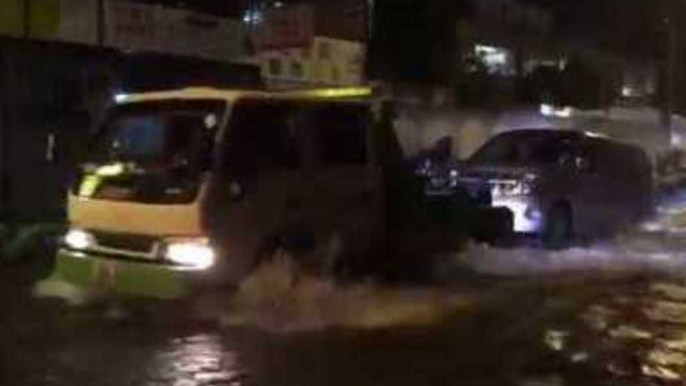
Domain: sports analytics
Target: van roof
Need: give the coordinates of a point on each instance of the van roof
(340, 94)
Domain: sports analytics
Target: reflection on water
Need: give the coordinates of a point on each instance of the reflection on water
(195, 361)
(637, 339)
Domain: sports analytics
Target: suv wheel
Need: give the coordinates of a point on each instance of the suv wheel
(558, 232)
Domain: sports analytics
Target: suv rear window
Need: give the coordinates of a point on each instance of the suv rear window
(524, 148)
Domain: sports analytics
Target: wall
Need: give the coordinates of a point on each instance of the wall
(141, 27)
(419, 127)
(127, 26)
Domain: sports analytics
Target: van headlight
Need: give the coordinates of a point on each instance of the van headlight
(79, 240)
(191, 253)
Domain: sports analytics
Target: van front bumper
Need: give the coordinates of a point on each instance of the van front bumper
(124, 277)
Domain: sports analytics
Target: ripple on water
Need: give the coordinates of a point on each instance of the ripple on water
(198, 360)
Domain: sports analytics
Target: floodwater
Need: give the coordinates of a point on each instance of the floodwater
(613, 313)
(601, 328)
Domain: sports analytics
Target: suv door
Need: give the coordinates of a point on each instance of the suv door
(259, 192)
(598, 202)
(345, 189)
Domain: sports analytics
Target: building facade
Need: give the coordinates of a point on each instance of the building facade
(510, 37)
(304, 46)
(323, 62)
(129, 26)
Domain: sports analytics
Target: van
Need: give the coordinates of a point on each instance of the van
(562, 185)
(184, 188)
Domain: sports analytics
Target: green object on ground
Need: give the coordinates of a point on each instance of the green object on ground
(120, 277)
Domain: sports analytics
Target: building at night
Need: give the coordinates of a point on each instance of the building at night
(510, 37)
(311, 45)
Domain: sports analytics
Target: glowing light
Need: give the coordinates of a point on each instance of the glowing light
(592, 134)
(482, 49)
(112, 170)
(527, 216)
(252, 17)
(78, 239)
(495, 58)
(551, 111)
(564, 112)
(191, 253)
(349, 92)
(547, 110)
(121, 98)
(89, 186)
(556, 340)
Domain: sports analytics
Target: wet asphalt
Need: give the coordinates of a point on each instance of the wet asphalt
(584, 328)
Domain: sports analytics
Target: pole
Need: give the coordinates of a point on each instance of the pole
(27, 19)
(669, 68)
(101, 22)
(369, 16)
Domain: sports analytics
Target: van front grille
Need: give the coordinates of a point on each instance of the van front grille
(125, 242)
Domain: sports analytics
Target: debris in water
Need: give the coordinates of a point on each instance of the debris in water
(555, 339)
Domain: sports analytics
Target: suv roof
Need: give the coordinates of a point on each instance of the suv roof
(566, 133)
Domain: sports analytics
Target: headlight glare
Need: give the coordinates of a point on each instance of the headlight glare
(196, 254)
(78, 239)
(522, 187)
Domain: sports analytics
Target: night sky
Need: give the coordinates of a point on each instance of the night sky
(627, 26)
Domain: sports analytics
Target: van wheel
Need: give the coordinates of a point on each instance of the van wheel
(558, 232)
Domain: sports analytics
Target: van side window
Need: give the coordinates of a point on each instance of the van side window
(263, 135)
(341, 135)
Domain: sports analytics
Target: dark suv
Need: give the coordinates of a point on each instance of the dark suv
(561, 184)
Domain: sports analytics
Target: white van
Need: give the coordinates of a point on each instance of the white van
(195, 186)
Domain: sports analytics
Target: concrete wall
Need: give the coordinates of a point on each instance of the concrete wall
(419, 127)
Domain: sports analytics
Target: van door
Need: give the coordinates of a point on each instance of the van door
(259, 192)
(345, 199)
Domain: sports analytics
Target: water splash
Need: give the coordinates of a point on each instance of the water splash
(279, 297)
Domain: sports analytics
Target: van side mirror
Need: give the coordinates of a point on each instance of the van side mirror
(236, 191)
(443, 148)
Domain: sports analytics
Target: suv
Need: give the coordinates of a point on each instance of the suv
(562, 184)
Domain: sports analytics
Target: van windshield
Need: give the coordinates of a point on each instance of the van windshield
(524, 148)
(157, 135)
(151, 152)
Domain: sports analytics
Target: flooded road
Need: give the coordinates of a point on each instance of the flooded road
(575, 329)
(612, 313)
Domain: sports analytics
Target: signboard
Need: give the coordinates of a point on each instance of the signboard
(193, 34)
(12, 18)
(291, 27)
(140, 27)
(130, 26)
(44, 19)
(79, 21)
(73, 21)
